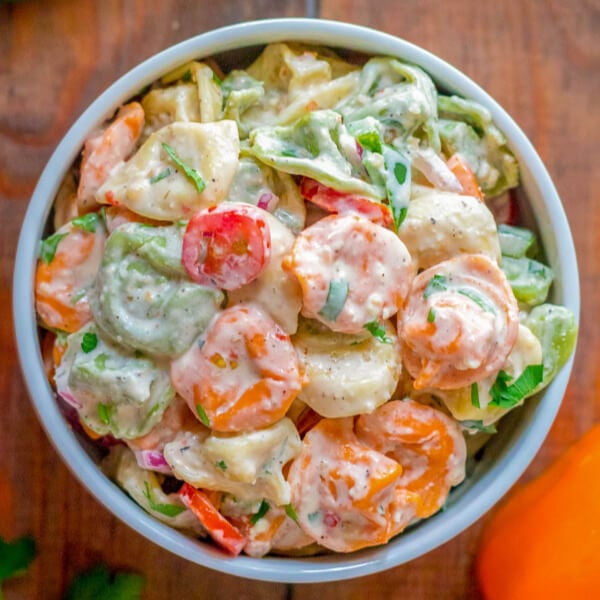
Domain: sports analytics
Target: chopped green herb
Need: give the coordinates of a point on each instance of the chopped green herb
(15, 557)
(216, 79)
(190, 172)
(313, 516)
(100, 361)
(479, 426)
(75, 298)
(377, 330)
(290, 512)
(202, 414)
(88, 222)
(187, 76)
(49, 246)
(475, 395)
(263, 509)
(89, 341)
(507, 396)
(400, 171)
(161, 175)
(336, 298)
(431, 315)
(169, 510)
(370, 140)
(479, 299)
(289, 153)
(221, 464)
(98, 584)
(105, 412)
(438, 283)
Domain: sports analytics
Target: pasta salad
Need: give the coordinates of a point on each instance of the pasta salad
(288, 302)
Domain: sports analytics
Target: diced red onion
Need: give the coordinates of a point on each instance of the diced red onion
(153, 460)
(268, 201)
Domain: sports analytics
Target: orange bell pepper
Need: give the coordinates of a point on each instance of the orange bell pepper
(544, 542)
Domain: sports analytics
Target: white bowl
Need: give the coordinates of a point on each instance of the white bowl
(505, 457)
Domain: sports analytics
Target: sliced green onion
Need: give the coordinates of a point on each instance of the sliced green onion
(438, 283)
(202, 414)
(190, 172)
(478, 298)
(290, 512)
(263, 509)
(105, 412)
(336, 298)
(475, 395)
(160, 176)
(507, 396)
(49, 246)
(169, 510)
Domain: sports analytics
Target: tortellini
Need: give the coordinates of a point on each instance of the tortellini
(163, 106)
(347, 374)
(440, 225)
(247, 465)
(114, 391)
(467, 127)
(314, 146)
(526, 351)
(144, 487)
(275, 290)
(142, 297)
(152, 184)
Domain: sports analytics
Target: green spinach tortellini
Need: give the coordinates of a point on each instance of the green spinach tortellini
(143, 298)
(115, 392)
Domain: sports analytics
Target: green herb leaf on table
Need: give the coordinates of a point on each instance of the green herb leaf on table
(169, 510)
(15, 557)
(189, 172)
(99, 584)
(49, 246)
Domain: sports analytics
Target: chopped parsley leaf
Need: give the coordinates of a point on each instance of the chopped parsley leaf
(87, 222)
(161, 175)
(290, 512)
(336, 298)
(507, 396)
(169, 510)
(221, 464)
(98, 584)
(475, 395)
(189, 172)
(438, 283)
(49, 247)
(377, 330)
(89, 341)
(202, 414)
(431, 315)
(15, 557)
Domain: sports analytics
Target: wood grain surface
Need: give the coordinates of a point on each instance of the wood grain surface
(539, 59)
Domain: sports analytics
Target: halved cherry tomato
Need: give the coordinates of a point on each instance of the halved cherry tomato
(343, 203)
(218, 527)
(226, 246)
(463, 172)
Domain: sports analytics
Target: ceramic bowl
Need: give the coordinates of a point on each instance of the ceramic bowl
(504, 458)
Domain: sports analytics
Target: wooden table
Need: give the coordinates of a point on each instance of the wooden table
(540, 60)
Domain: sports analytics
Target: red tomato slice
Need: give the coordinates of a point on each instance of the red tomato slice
(343, 203)
(218, 527)
(226, 246)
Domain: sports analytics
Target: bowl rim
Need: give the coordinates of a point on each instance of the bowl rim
(431, 533)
